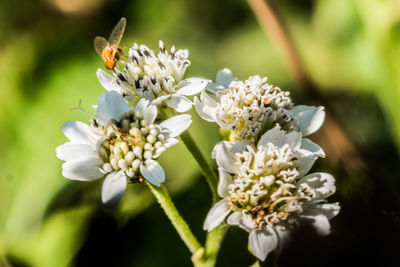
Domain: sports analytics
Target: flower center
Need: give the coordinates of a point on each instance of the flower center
(128, 143)
(265, 185)
(253, 107)
(155, 75)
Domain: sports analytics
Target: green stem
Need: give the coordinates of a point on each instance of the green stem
(173, 215)
(205, 167)
(213, 244)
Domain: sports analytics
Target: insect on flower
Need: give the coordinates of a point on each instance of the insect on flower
(109, 49)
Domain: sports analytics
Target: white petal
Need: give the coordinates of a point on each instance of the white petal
(330, 210)
(79, 132)
(225, 77)
(111, 105)
(180, 103)
(177, 124)
(320, 222)
(274, 136)
(170, 142)
(322, 183)
(225, 179)
(160, 99)
(243, 221)
(207, 113)
(72, 150)
(216, 215)
(310, 118)
(235, 218)
(113, 188)
(214, 87)
(208, 100)
(262, 242)
(312, 147)
(225, 159)
(283, 233)
(240, 146)
(83, 169)
(153, 172)
(147, 109)
(107, 81)
(192, 86)
(305, 160)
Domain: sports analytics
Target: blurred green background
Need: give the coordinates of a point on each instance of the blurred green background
(47, 64)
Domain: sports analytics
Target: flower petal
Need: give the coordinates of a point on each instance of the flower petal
(72, 150)
(225, 159)
(83, 169)
(279, 138)
(192, 86)
(111, 105)
(113, 188)
(217, 214)
(243, 221)
(320, 222)
(274, 136)
(107, 81)
(153, 172)
(79, 132)
(322, 183)
(177, 124)
(214, 87)
(207, 113)
(330, 210)
(225, 77)
(283, 233)
(309, 145)
(310, 118)
(180, 103)
(305, 160)
(225, 179)
(147, 109)
(262, 242)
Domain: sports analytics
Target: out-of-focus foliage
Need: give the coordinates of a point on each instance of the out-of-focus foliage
(350, 47)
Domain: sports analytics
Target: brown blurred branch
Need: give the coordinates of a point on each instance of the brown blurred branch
(335, 142)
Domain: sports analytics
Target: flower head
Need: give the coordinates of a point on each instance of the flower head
(250, 108)
(265, 190)
(156, 77)
(120, 144)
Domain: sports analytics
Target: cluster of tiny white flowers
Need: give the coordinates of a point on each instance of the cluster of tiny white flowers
(152, 75)
(254, 106)
(128, 142)
(265, 185)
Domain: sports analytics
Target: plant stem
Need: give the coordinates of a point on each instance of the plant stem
(173, 215)
(213, 244)
(205, 167)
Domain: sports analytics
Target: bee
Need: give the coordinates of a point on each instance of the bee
(109, 49)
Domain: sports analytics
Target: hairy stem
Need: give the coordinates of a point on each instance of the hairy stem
(213, 244)
(173, 215)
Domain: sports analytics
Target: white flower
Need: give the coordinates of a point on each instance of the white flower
(248, 109)
(157, 78)
(120, 144)
(265, 190)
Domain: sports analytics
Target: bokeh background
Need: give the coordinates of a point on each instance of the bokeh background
(351, 50)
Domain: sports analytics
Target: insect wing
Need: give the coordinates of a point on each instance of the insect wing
(99, 44)
(117, 32)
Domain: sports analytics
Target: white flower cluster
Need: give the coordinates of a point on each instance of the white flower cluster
(248, 109)
(121, 143)
(156, 77)
(263, 164)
